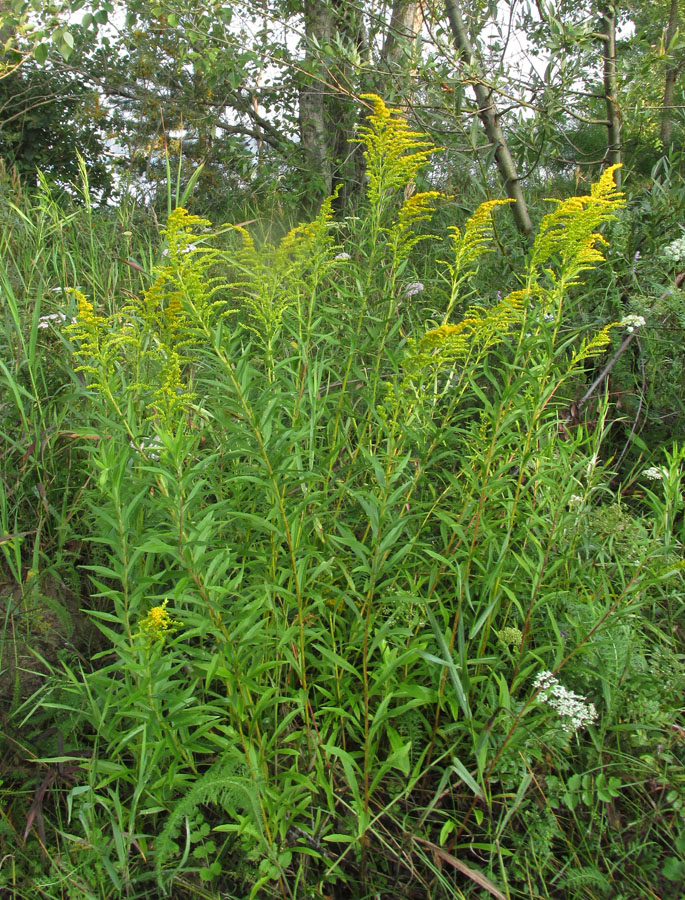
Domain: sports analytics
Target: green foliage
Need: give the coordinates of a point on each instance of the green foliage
(225, 784)
(333, 535)
(47, 121)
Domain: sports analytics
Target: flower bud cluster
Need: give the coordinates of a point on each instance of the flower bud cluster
(511, 637)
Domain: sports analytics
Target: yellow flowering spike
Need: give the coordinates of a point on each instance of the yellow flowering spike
(273, 281)
(181, 231)
(172, 396)
(594, 346)
(453, 339)
(303, 239)
(479, 331)
(569, 233)
(469, 245)
(417, 208)
(87, 329)
(605, 189)
(96, 344)
(178, 309)
(476, 239)
(394, 153)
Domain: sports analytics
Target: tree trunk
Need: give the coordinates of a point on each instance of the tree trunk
(319, 26)
(487, 113)
(328, 106)
(608, 31)
(666, 128)
(405, 23)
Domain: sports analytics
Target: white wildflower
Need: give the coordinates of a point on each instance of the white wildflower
(343, 256)
(151, 448)
(632, 322)
(575, 500)
(574, 710)
(57, 318)
(675, 251)
(549, 317)
(591, 466)
(654, 473)
(414, 287)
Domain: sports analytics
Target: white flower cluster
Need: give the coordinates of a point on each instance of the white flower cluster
(654, 473)
(574, 710)
(58, 317)
(343, 256)
(632, 322)
(414, 287)
(675, 251)
(151, 448)
(188, 249)
(575, 500)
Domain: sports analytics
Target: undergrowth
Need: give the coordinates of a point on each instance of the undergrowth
(374, 619)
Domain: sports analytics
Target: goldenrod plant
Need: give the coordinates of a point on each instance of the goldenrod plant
(373, 618)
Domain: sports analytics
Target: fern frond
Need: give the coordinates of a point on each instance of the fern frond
(226, 785)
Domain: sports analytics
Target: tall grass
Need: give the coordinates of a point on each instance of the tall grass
(329, 552)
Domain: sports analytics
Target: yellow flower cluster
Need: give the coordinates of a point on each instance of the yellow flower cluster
(98, 345)
(394, 153)
(158, 624)
(88, 327)
(569, 232)
(596, 345)
(451, 338)
(476, 238)
(483, 328)
(176, 311)
(417, 208)
(307, 237)
(469, 245)
(172, 395)
(568, 242)
(271, 280)
(182, 295)
(182, 230)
